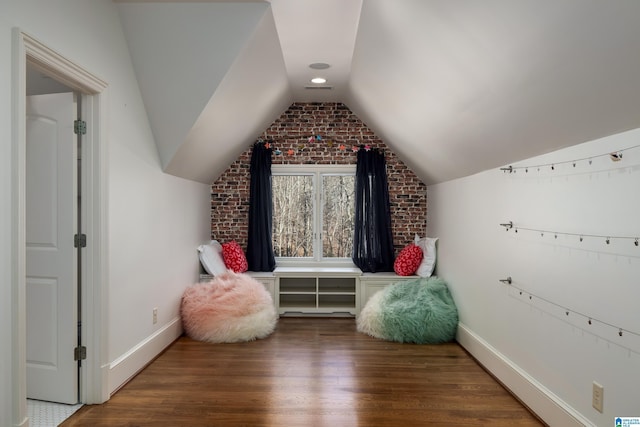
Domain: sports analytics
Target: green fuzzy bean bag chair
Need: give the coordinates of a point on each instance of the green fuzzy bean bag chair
(419, 311)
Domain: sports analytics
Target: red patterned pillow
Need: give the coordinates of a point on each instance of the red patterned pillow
(408, 260)
(234, 257)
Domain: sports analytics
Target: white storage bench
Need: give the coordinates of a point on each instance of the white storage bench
(317, 291)
(321, 291)
(370, 283)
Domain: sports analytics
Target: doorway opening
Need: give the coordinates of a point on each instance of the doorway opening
(33, 56)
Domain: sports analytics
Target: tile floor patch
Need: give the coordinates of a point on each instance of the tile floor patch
(48, 414)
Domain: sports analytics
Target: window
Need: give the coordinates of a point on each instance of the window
(313, 212)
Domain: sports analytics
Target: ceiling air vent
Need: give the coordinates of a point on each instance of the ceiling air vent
(319, 87)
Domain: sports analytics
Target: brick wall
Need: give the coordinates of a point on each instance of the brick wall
(337, 126)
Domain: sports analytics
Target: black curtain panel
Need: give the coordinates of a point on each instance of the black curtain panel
(373, 239)
(260, 254)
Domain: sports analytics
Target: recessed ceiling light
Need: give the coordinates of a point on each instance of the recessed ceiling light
(319, 66)
(318, 80)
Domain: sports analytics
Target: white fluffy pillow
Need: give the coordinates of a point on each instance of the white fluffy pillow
(211, 258)
(428, 246)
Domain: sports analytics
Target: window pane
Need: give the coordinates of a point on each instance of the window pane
(337, 215)
(292, 215)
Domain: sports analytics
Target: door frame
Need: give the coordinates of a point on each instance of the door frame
(94, 208)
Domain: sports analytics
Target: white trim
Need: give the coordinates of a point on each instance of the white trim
(95, 268)
(65, 71)
(18, 255)
(26, 49)
(553, 410)
(310, 263)
(317, 271)
(287, 169)
(136, 359)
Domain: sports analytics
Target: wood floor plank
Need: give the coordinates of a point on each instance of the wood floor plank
(310, 372)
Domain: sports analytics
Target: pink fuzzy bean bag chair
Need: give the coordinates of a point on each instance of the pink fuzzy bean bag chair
(230, 308)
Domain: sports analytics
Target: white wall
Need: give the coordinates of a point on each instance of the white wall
(534, 339)
(155, 221)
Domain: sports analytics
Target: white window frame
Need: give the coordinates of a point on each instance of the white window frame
(317, 172)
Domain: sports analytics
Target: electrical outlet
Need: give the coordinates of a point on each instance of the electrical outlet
(155, 315)
(598, 396)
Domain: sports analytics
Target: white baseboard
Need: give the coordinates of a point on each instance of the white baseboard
(546, 405)
(129, 364)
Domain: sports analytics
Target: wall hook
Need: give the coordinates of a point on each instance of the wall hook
(508, 280)
(508, 225)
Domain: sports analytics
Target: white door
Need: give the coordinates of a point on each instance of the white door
(51, 263)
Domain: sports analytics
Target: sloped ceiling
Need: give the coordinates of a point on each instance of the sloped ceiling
(461, 86)
(211, 75)
(454, 87)
(254, 92)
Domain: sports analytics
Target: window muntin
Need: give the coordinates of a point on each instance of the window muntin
(313, 213)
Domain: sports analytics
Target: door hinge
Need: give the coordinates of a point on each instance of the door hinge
(79, 127)
(80, 241)
(80, 353)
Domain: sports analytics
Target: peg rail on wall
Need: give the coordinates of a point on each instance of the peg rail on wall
(585, 318)
(589, 320)
(609, 332)
(615, 156)
(607, 239)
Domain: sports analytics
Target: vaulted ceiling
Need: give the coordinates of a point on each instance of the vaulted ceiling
(454, 87)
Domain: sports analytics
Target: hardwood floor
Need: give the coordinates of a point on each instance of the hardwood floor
(310, 372)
